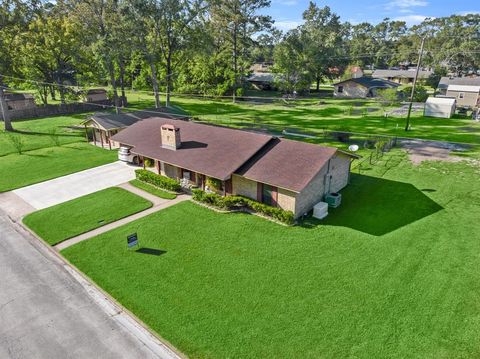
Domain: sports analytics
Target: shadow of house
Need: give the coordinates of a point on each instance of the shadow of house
(378, 206)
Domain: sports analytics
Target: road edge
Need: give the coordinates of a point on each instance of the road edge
(126, 319)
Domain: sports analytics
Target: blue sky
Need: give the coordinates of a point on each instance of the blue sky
(288, 13)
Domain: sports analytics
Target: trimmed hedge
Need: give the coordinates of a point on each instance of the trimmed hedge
(158, 180)
(232, 202)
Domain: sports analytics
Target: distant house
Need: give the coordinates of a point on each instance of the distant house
(466, 96)
(403, 77)
(96, 95)
(356, 72)
(361, 87)
(465, 81)
(262, 80)
(291, 175)
(104, 125)
(20, 101)
(261, 67)
(443, 107)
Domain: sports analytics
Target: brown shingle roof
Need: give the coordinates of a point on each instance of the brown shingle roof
(211, 150)
(287, 164)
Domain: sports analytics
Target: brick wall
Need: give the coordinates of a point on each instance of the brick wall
(286, 199)
(244, 187)
(331, 178)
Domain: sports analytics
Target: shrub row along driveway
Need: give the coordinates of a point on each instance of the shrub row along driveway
(62, 189)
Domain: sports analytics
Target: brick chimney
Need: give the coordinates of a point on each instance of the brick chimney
(170, 137)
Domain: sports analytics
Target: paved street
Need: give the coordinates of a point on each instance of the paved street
(46, 313)
(62, 189)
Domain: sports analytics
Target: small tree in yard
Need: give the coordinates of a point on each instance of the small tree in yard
(420, 95)
(17, 143)
(388, 97)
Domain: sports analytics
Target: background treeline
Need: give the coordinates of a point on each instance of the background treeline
(206, 46)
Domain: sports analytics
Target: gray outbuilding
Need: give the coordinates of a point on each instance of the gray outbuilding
(442, 107)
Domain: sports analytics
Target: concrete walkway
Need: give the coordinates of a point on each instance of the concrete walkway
(158, 204)
(65, 188)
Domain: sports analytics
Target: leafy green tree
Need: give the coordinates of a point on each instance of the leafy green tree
(322, 33)
(234, 23)
(291, 63)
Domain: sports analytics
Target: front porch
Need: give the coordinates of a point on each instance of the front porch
(190, 179)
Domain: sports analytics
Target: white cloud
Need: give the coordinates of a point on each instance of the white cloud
(286, 25)
(473, 12)
(405, 6)
(286, 2)
(411, 19)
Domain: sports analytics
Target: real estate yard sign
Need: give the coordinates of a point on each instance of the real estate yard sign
(132, 240)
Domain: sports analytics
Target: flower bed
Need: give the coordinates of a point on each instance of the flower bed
(240, 202)
(158, 180)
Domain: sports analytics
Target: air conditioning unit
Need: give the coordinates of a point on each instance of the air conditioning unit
(320, 210)
(333, 199)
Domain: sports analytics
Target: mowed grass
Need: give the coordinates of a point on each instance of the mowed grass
(51, 162)
(80, 215)
(391, 273)
(152, 189)
(38, 133)
(316, 115)
(51, 147)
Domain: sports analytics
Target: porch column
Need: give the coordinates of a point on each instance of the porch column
(101, 138)
(108, 139)
(94, 136)
(86, 133)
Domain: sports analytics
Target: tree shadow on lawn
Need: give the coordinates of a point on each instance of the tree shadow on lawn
(377, 206)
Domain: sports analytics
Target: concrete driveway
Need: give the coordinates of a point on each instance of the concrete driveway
(62, 189)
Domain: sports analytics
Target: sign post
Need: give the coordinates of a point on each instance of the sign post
(132, 240)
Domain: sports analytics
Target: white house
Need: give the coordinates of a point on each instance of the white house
(443, 107)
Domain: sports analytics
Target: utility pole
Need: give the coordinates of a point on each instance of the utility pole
(407, 125)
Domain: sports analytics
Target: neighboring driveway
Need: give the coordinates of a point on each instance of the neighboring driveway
(62, 189)
(47, 312)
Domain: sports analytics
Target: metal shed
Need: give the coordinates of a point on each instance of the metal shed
(442, 107)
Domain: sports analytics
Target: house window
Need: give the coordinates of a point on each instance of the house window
(340, 89)
(461, 95)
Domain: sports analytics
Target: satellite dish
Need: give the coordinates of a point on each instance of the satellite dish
(353, 148)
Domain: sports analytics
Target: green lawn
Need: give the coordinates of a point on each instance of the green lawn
(152, 189)
(315, 115)
(391, 273)
(80, 215)
(37, 133)
(51, 148)
(51, 162)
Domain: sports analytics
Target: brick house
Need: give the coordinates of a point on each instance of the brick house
(361, 87)
(279, 172)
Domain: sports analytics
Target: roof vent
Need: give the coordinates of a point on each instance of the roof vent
(170, 136)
